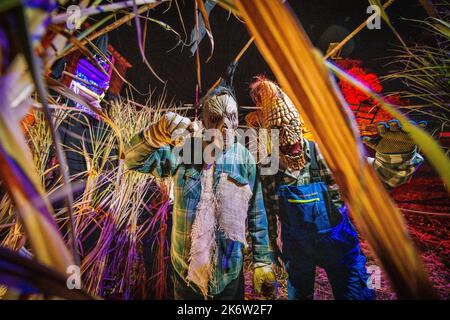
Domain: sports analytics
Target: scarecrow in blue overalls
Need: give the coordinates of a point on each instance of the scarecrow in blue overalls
(304, 199)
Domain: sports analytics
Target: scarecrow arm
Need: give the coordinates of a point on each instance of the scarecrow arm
(396, 156)
(257, 220)
(272, 207)
(393, 169)
(264, 280)
(396, 169)
(149, 151)
(142, 157)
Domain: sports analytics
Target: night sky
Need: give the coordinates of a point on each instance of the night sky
(325, 21)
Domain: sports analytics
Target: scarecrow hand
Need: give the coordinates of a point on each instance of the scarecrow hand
(264, 281)
(170, 129)
(392, 138)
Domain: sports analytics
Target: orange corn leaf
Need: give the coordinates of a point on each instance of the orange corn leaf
(302, 74)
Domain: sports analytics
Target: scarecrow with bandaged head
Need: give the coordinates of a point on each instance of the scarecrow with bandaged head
(304, 199)
(216, 203)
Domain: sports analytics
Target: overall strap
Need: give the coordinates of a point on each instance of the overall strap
(314, 169)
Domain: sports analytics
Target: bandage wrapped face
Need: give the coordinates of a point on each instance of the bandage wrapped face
(277, 111)
(171, 128)
(220, 113)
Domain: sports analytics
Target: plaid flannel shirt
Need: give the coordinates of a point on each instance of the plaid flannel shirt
(239, 164)
(393, 170)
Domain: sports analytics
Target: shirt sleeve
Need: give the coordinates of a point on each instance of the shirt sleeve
(272, 208)
(257, 220)
(396, 169)
(393, 169)
(142, 157)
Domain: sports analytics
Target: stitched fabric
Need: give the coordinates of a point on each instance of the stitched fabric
(203, 238)
(225, 210)
(232, 206)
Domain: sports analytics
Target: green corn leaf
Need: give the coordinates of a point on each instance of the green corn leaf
(430, 147)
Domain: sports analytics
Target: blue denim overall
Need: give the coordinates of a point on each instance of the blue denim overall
(315, 232)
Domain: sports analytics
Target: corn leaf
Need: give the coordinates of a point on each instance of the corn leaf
(17, 168)
(30, 277)
(382, 11)
(302, 74)
(429, 146)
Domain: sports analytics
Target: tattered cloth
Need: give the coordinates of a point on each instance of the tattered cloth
(225, 210)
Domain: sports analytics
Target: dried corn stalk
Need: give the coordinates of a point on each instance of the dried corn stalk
(303, 76)
(23, 184)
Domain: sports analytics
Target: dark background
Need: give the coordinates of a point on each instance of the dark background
(325, 21)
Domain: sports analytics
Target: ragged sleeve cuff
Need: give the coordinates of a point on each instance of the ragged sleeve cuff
(261, 255)
(396, 169)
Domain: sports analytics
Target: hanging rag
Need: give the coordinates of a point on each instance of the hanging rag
(226, 210)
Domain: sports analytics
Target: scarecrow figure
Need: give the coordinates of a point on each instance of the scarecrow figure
(315, 225)
(215, 202)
